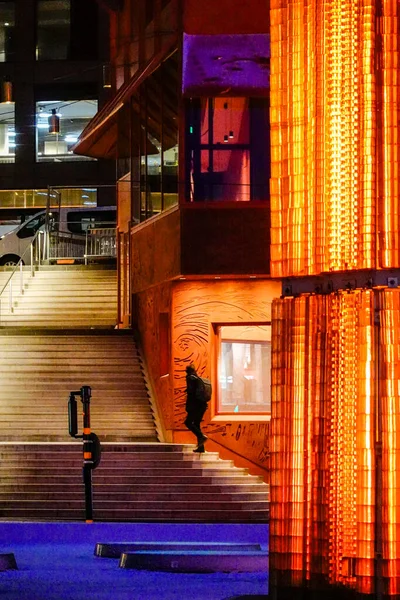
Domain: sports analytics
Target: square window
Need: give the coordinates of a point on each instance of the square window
(244, 369)
(55, 139)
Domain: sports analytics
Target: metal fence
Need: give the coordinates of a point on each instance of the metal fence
(96, 243)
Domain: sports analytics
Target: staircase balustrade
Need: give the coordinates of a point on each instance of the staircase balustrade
(97, 242)
(17, 281)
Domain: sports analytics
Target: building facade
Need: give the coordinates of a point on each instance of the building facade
(52, 64)
(189, 124)
(201, 121)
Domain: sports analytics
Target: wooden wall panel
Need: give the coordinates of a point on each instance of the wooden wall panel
(147, 308)
(124, 204)
(225, 16)
(156, 251)
(248, 439)
(196, 306)
(225, 240)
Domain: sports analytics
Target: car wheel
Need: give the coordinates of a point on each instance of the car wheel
(10, 261)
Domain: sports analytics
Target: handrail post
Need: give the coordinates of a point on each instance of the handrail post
(10, 296)
(32, 261)
(86, 246)
(21, 279)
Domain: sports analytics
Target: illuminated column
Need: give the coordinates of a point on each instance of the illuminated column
(335, 458)
(323, 136)
(322, 447)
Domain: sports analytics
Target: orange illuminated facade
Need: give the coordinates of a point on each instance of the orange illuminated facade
(335, 478)
(334, 136)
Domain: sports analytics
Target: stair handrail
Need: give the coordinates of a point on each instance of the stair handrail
(35, 251)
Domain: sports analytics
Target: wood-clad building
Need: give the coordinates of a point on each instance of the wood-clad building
(188, 125)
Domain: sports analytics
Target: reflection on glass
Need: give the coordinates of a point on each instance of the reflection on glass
(224, 175)
(225, 161)
(74, 116)
(8, 139)
(157, 201)
(156, 132)
(7, 23)
(244, 374)
(33, 198)
(53, 29)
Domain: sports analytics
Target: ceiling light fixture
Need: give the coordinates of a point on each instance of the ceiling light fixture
(54, 122)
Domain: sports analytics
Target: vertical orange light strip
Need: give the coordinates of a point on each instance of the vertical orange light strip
(390, 390)
(367, 137)
(287, 481)
(388, 64)
(322, 450)
(343, 336)
(365, 447)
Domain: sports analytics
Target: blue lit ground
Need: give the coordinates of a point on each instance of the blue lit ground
(56, 562)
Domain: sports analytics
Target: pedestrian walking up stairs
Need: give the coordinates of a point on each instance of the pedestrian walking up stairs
(62, 296)
(134, 482)
(55, 341)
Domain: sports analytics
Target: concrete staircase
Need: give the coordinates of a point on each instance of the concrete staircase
(137, 482)
(54, 341)
(38, 371)
(63, 296)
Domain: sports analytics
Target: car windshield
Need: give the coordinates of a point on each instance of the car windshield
(32, 226)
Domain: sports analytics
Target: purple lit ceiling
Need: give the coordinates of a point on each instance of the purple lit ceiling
(232, 65)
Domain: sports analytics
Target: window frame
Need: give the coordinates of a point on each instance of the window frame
(217, 416)
(194, 147)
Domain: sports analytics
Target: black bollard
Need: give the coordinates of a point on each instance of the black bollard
(91, 444)
(86, 393)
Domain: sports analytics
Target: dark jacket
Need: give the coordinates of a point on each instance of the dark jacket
(192, 403)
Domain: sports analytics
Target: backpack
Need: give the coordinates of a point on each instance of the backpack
(204, 389)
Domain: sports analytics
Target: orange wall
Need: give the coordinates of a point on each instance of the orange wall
(196, 305)
(225, 16)
(156, 250)
(124, 204)
(221, 240)
(225, 239)
(147, 308)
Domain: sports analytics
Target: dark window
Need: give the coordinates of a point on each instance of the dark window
(31, 227)
(53, 29)
(227, 149)
(81, 221)
(7, 24)
(67, 29)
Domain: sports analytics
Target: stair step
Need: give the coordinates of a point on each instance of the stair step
(131, 498)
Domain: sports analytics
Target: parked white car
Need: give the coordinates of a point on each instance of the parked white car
(14, 244)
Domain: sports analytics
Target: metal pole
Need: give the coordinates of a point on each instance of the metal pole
(10, 296)
(21, 279)
(86, 393)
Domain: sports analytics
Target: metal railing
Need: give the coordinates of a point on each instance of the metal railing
(96, 242)
(16, 283)
(101, 243)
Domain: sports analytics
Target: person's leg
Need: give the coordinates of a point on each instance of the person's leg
(189, 422)
(201, 438)
(193, 424)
